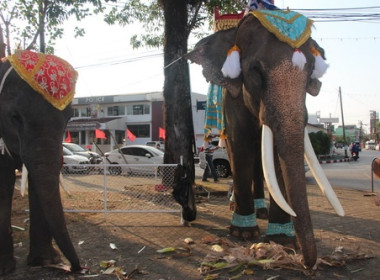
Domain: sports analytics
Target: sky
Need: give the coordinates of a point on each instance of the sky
(107, 64)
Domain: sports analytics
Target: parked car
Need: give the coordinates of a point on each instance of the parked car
(339, 145)
(220, 161)
(80, 162)
(156, 144)
(135, 155)
(93, 157)
(370, 145)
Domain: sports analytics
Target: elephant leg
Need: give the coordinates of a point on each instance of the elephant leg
(280, 226)
(47, 221)
(41, 251)
(239, 128)
(7, 181)
(258, 184)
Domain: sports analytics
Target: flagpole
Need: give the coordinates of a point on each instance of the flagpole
(118, 147)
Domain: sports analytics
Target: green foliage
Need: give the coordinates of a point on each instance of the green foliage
(339, 139)
(321, 142)
(29, 20)
(150, 14)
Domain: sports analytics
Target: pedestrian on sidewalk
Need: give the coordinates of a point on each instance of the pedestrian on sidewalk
(209, 150)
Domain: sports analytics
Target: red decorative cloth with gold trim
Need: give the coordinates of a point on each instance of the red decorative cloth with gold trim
(51, 76)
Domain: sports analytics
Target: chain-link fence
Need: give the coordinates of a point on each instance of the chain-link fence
(118, 188)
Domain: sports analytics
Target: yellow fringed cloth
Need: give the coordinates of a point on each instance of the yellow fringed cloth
(226, 21)
(51, 76)
(289, 27)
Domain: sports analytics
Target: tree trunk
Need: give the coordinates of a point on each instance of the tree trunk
(177, 97)
(41, 26)
(2, 44)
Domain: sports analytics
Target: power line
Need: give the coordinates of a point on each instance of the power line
(122, 61)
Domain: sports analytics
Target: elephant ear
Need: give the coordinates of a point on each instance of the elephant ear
(320, 67)
(211, 53)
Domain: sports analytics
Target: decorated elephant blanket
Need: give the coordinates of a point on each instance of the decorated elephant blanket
(214, 111)
(51, 76)
(288, 26)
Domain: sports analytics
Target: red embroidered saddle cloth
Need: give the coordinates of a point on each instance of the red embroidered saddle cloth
(47, 74)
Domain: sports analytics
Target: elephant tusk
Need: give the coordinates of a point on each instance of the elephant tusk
(320, 176)
(62, 185)
(269, 171)
(24, 179)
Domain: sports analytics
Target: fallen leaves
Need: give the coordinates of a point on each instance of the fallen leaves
(339, 258)
(180, 251)
(166, 250)
(238, 259)
(110, 268)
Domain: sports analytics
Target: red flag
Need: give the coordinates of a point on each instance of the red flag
(68, 137)
(100, 134)
(161, 133)
(130, 135)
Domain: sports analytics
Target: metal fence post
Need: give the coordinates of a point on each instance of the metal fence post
(372, 189)
(105, 190)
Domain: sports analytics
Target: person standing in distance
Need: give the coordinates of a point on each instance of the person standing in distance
(209, 149)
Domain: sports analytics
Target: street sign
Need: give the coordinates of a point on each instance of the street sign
(201, 105)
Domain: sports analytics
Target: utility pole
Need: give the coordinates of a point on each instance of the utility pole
(344, 131)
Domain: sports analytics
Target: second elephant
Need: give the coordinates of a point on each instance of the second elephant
(266, 116)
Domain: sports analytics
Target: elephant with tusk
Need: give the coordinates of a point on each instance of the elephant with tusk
(265, 79)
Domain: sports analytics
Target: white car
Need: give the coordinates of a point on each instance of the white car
(156, 144)
(135, 155)
(94, 158)
(73, 163)
(222, 162)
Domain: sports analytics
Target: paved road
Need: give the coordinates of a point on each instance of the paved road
(354, 174)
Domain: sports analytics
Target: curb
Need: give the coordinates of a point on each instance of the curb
(335, 160)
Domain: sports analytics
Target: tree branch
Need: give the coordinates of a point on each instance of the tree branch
(193, 20)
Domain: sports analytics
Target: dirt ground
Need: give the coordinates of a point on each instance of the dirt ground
(137, 238)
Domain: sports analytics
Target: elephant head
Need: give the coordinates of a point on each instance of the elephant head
(32, 125)
(271, 88)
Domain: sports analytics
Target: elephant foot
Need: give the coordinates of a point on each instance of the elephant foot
(49, 257)
(77, 268)
(284, 240)
(246, 233)
(7, 264)
(262, 213)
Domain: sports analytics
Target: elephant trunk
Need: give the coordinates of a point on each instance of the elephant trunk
(296, 192)
(292, 168)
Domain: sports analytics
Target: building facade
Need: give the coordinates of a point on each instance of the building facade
(351, 131)
(142, 114)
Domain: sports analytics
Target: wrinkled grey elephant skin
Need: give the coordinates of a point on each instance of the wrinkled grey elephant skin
(32, 130)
